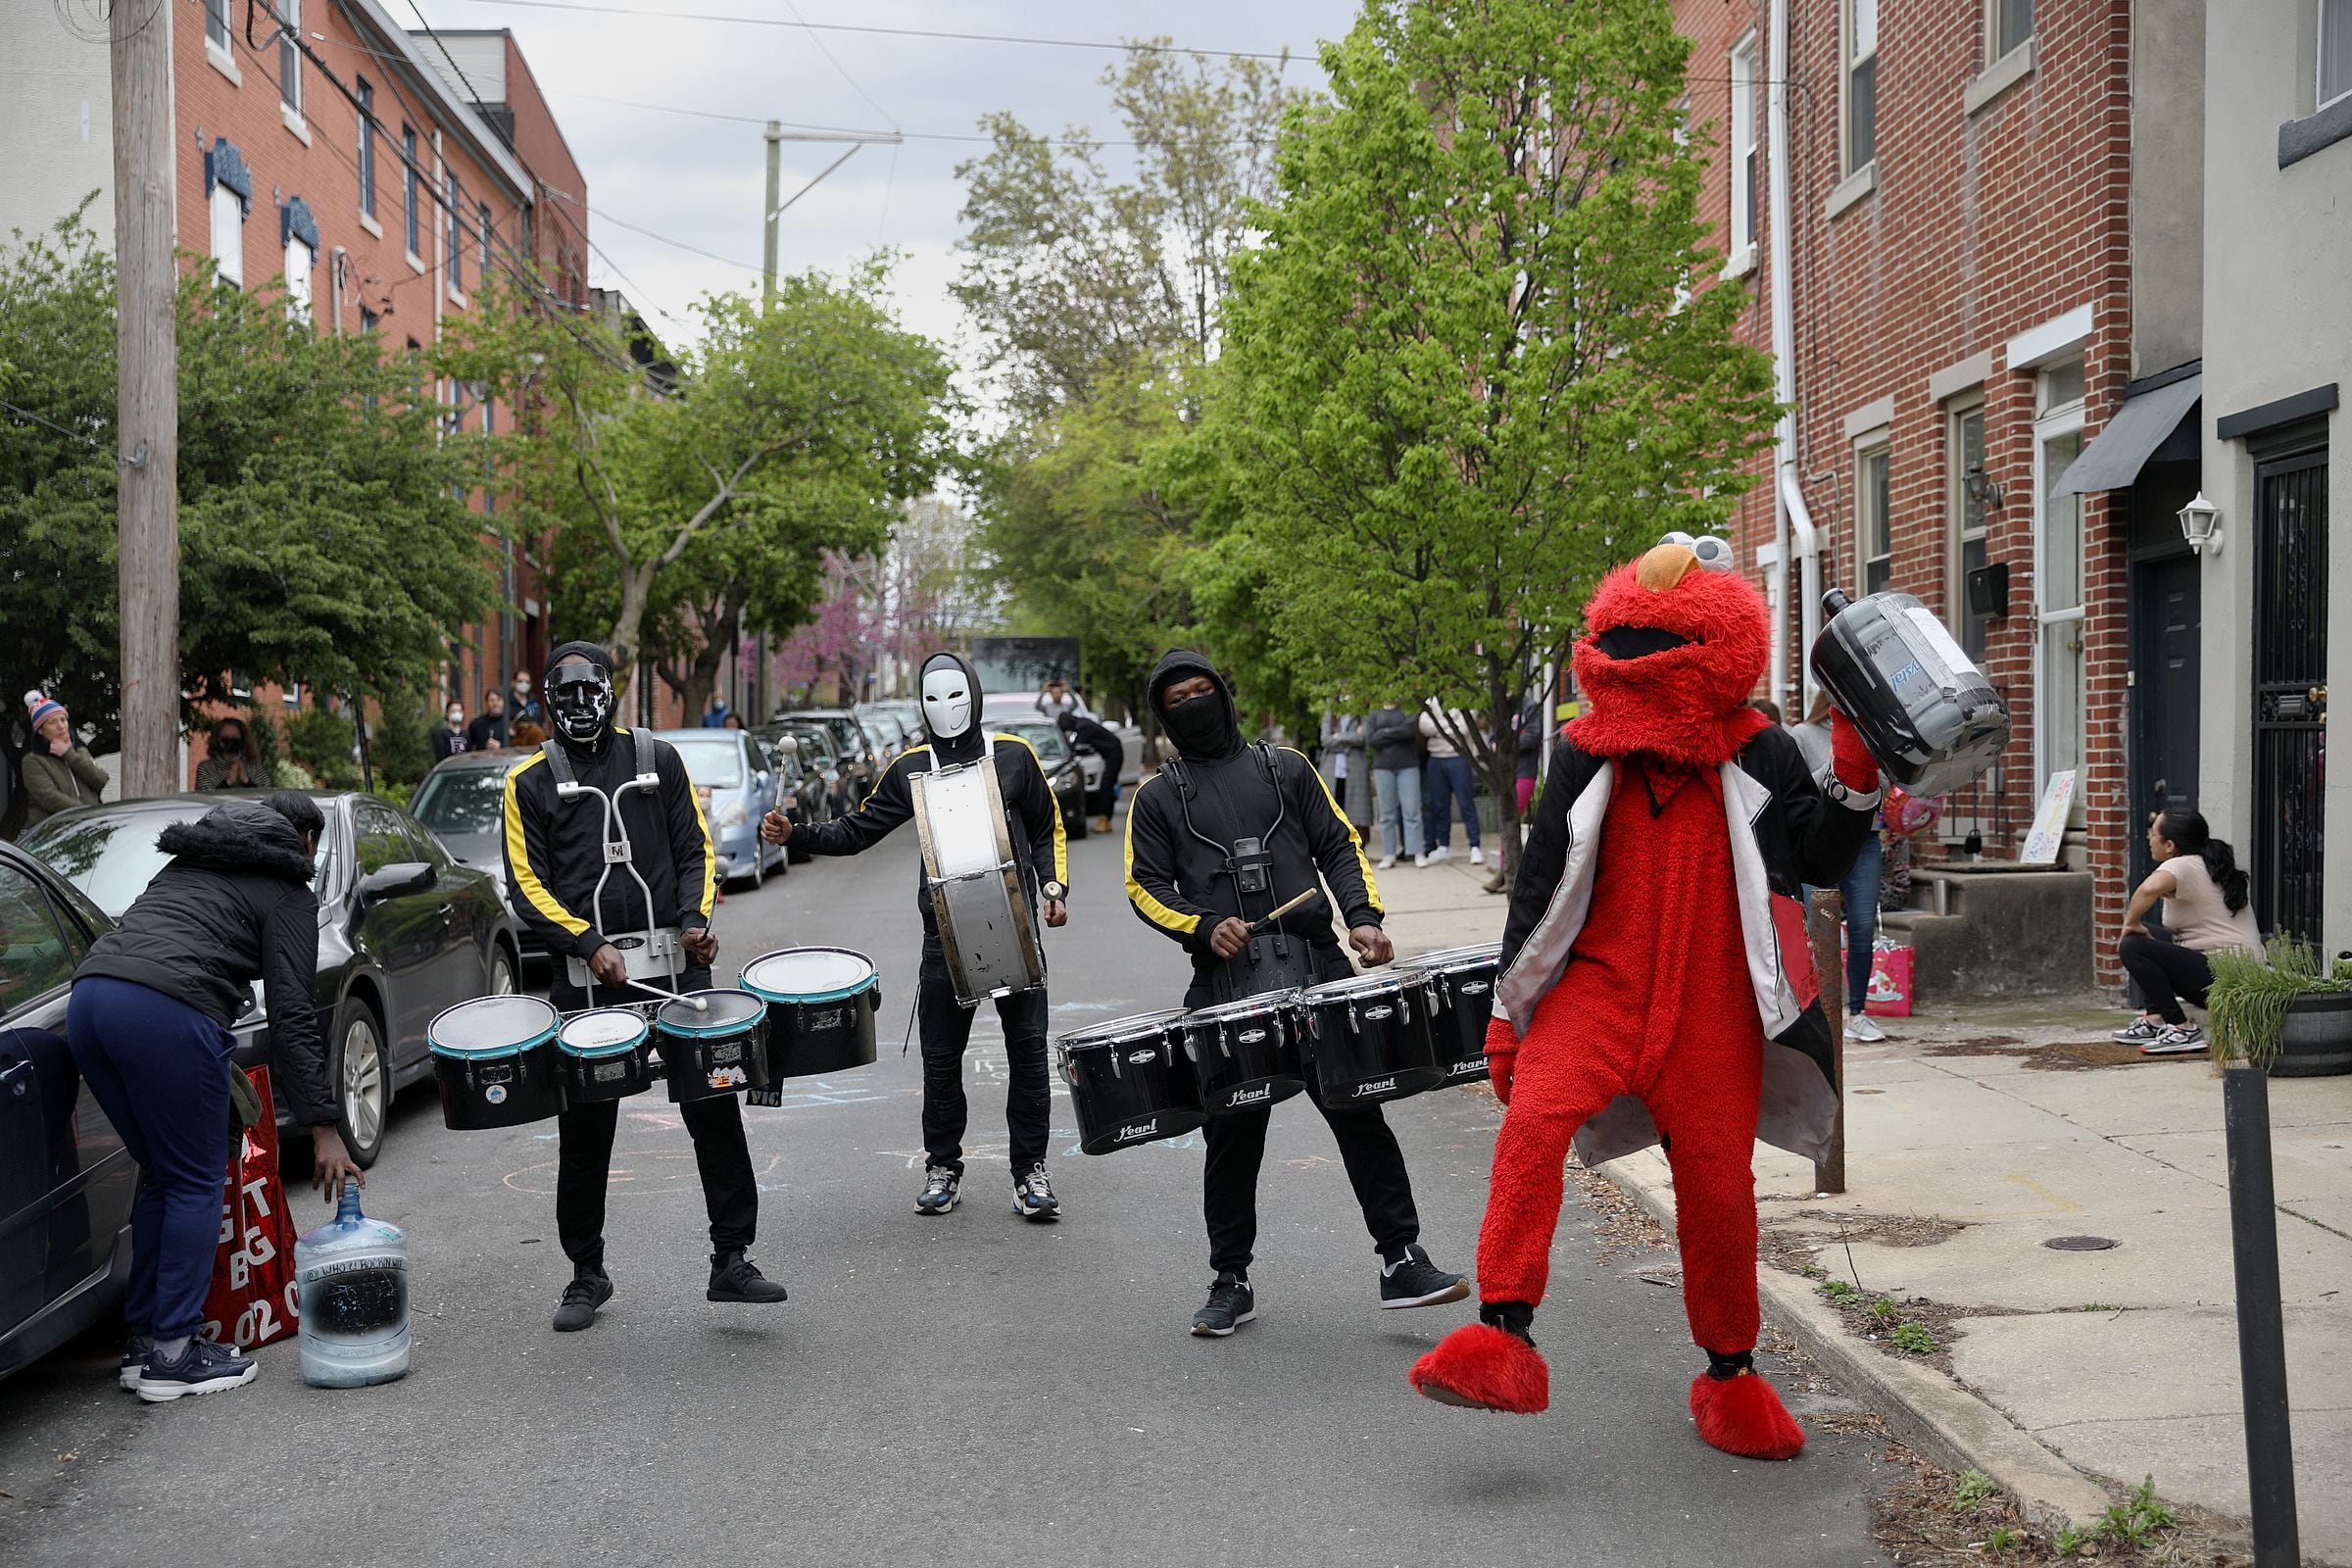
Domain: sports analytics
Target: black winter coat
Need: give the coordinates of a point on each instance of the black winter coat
(555, 848)
(233, 906)
(1394, 738)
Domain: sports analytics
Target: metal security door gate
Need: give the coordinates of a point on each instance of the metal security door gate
(2290, 692)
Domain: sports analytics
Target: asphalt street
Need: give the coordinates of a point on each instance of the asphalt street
(967, 1390)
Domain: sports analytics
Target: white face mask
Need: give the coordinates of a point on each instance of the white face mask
(946, 703)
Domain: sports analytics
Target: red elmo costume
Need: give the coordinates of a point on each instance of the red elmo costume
(1653, 978)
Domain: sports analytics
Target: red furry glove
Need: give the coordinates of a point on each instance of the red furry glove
(1849, 759)
(1503, 1057)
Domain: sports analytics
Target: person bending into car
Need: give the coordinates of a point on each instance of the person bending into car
(148, 1026)
(1104, 740)
(554, 849)
(1033, 820)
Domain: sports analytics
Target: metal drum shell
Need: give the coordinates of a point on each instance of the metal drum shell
(1462, 985)
(499, 1085)
(703, 1063)
(1930, 716)
(1370, 1042)
(1129, 1083)
(614, 1072)
(1234, 1072)
(810, 1035)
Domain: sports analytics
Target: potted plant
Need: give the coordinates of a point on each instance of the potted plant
(2282, 1010)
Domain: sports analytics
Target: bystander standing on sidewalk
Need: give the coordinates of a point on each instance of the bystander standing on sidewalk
(59, 775)
(228, 763)
(2203, 890)
(1395, 745)
(1344, 772)
(1861, 885)
(1448, 779)
(449, 740)
(522, 708)
(488, 733)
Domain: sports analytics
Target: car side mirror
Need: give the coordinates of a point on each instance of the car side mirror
(396, 881)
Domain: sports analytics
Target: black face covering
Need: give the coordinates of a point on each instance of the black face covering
(229, 745)
(1201, 727)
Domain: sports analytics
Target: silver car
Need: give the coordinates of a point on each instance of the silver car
(738, 786)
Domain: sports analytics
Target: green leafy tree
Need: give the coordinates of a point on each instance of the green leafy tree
(791, 428)
(1465, 372)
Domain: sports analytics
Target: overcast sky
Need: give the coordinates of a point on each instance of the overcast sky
(700, 180)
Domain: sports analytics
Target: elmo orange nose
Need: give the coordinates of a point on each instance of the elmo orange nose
(1664, 566)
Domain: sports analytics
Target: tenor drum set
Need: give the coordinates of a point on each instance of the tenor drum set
(1365, 1040)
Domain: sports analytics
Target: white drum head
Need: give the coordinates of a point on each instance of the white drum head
(818, 973)
(604, 1028)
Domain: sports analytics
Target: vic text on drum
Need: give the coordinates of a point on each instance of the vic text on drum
(608, 852)
(1217, 842)
(993, 845)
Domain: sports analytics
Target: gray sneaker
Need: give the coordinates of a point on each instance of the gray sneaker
(1863, 1027)
(2178, 1040)
(2140, 1030)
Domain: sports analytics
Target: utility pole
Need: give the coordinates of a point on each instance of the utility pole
(147, 396)
(777, 136)
(775, 188)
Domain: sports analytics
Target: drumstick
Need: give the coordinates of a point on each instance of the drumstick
(1260, 925)
(696, 1002)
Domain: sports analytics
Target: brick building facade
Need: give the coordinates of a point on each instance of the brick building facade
(1959, 253)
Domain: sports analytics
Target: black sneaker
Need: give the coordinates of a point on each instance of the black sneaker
(1412, 1279)
(204, 1367)
(1231, 1303)
(939, 1191)
(1033, 1196)
(736, 1278)
(135, 1351)
(589, 1289)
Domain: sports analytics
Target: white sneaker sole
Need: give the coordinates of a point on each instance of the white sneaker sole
(2190, 1048)
(1249, 1316)
(1037, 1216)
(166, 1392)
(1452, 1292)
(130, 1379)
(939, 1208)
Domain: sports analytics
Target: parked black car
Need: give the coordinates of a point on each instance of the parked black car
(461, 803)
(845, 782)
(805, 792)
(859, 750)
(404, 930)
(1061, 762)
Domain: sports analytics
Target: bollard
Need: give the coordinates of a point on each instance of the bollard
(1825, 921)
(2261, 1332)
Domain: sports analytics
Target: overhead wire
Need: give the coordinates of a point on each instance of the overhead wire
(818, 39)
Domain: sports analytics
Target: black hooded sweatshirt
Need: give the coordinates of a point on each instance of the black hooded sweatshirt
(1032, 816)
(1179, 883)
(233, 904)
(555, 848)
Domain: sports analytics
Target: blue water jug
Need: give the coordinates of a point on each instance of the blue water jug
(353, 1273)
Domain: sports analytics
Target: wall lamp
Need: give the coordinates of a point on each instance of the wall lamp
(2201, 525)
(1983, 491)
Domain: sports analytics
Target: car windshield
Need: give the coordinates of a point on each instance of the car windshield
(1044, 739)
(112, 856)
(713, 764)
(460, 800)
(816, 746)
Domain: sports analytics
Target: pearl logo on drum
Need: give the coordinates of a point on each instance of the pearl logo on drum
(1139, 1057)
(1253, 1096)
(1378, 1086)
(1382, 1011)
(1146, 1129)
(1251, 1036)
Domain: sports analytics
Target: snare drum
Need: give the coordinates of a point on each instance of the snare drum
(820, 1005)
(719, 1050)
(1461, 983)
(1129, 1082)
(603, 1056)
(1246, 1053)
(496, 1059)
(1370, 1038)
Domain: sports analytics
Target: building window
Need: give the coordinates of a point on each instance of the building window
(408, 189)
(289, 54)
(228, 187)
(2012, 26)
(215, 24)
(454, 234)
(297, 232)
(1873, 527)
(1966, 455)
(1744, 144)
(485, 273)
(1861, 82)
(367, 319)
(367, 147)
(2335, 51)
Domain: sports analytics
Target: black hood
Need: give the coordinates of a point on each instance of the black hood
(966, 747)
(1205, 742)
(239, 835)
(595, 654)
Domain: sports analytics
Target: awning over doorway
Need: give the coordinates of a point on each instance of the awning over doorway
(2113, 459)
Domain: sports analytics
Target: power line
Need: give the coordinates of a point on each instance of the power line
(892, 32)
(818, 39)
(78, 435)
(971, 137)
(636, 228)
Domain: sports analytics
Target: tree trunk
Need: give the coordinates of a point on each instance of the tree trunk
(628, 625)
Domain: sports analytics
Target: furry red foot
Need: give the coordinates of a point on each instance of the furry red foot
(1744, 1415)
(1481, 1367)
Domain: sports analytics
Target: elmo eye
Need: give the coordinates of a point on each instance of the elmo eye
(1678, 537)
(1713, 553)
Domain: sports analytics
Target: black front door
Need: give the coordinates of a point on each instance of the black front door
(2290, 692)
(2165, 598)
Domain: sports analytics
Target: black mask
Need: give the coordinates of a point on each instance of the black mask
(227, 745)
(1201, 727)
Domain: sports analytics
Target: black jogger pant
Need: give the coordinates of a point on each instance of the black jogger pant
(1237, 1147)
(945, 1027)
(584, 1156)
(2168, 973)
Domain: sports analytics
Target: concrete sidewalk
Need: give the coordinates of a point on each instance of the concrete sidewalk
(1975, 1140)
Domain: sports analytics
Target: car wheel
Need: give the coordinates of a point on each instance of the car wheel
(362, 1080)
(1074, 823)
(502, 973)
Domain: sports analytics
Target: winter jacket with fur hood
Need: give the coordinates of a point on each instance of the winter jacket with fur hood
(233, 906)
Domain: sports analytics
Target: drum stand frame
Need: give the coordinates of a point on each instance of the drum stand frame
(662, 945)
(1016, 886)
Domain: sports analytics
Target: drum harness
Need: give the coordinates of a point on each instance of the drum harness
(656, 953)
(1279, 959)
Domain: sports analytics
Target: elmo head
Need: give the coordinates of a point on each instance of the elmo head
(1670, 653)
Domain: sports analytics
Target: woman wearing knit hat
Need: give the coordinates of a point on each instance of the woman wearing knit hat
(59, 776)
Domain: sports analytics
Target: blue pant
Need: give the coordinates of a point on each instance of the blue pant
(1399, 791)
(1450, 779)
(1861, 888)
(160, 1070)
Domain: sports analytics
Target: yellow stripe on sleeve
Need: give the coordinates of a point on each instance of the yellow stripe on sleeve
(519, 855)
(709, 852)
(1062, 840)
(1355, 840)
(1158, 913)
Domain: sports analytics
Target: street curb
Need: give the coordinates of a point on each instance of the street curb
(1956, 1428)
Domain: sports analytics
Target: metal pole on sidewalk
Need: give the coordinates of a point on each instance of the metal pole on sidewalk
(1825, 921)
(2261, 1331)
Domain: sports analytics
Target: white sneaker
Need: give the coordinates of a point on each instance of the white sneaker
(1421, 859)
(1388, 862)
(1444, 852)
(1478, 857)
(1862, 1026)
